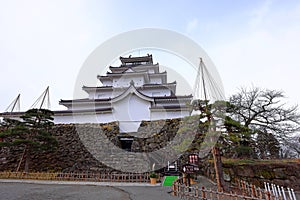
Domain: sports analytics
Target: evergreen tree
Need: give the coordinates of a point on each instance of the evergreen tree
(31, 133)
(236, 140)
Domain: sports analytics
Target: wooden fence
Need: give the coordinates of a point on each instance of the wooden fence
(94, 177)
(242, 187)
(243, 191)
(279, 192)
(275, 192)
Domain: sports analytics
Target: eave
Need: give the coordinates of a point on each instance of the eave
(130, 59)
(86, 101)
(83, 112)
(169, 108)
(145, 86)
(173, 98)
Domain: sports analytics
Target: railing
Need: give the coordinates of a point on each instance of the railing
(101, 177)
(279, 192)
(186, 192)
(274, 191)
(244, 188)
(244, 191)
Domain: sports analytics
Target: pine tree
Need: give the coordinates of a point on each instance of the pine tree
(32, 133)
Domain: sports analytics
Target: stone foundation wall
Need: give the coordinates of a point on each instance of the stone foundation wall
(71, 155)
(282, 173)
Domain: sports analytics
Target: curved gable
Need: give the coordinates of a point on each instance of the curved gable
(129, 91)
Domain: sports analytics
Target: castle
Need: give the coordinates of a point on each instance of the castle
(134, 91)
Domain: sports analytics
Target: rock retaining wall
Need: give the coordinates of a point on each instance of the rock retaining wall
(71, 155)
(283, 173)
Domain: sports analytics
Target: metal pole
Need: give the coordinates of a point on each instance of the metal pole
(203, 81)
(16, 101)
(44, 97)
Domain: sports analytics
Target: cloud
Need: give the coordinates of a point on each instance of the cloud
(260, 13)
(192, 25)
(43, 43)
(266, 55)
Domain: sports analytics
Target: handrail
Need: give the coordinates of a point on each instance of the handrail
(249, 192)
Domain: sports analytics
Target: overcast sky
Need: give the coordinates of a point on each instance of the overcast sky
(44, 43)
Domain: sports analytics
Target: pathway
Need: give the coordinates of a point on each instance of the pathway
(36, 190)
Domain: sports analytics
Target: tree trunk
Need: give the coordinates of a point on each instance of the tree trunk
(218, 169)
(27, 160)
(21, 160)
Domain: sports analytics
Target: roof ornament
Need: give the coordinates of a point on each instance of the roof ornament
(132, 82)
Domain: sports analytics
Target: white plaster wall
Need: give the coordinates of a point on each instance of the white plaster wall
(130, 111)
(107, 83)
(151, 71)
(89, 106)
(172, 103)
(109, 94)
(156, 80)
(67, 119)
(125, 81)
(91, 118)
(156, 92)
(102, 95)
(82, 107)
(99, 95)
(156, 115)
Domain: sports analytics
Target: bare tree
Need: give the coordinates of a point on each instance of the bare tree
(291, 148)
(265, 112)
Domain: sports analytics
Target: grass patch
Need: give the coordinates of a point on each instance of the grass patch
(169, 180)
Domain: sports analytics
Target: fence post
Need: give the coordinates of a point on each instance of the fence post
(196, 191)
(253, 190)
(293, 193)
(203, 193)
(236, 196)
(290, 195)
(279, 192)
(243, 188)
(174, 189)
(268, 195)
(260, 194)
(274, 190)
(283, 193)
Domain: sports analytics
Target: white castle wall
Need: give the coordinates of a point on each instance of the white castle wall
(83, 118)
(130, 111)
(156, 115)
(156, 80)
(156, 92)
(125, 81)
